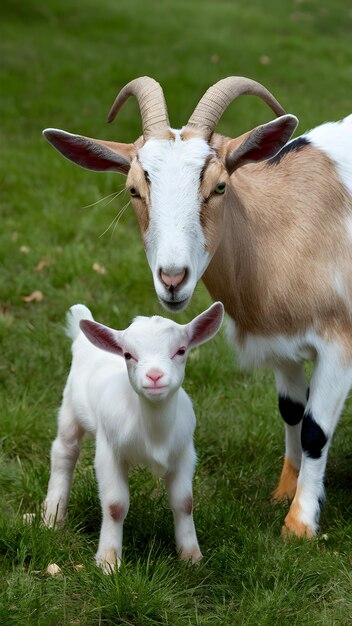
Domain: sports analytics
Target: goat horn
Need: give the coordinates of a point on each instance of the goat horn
(218, 97)
(151, 103)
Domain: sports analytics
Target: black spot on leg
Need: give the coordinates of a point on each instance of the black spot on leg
(291, 411)
(313, 438)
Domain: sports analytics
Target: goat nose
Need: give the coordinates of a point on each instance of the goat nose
(172, 280)
(155, 375)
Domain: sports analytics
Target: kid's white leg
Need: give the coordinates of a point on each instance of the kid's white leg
(330, 384)
(112, 479)
(64, 454)
(179, 490)
(292, 389)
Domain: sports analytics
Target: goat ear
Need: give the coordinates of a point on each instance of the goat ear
(261, 143)
(92, 154)
(102, 336)
(205, 325)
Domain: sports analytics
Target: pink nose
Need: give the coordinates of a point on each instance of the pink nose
(172, 280)
(155, 375)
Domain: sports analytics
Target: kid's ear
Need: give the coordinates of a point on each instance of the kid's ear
(261, 143)
(92, 154)
(102, 336)
(205, 325)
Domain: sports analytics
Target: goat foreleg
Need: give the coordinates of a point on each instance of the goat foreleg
(179, 489)
(292, 390)
(112, 477)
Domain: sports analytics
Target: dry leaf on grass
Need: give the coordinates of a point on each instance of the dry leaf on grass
(99, 268)
(42, 264)
(24, 249)
(78, 567)
(35, 296)
(53, 570)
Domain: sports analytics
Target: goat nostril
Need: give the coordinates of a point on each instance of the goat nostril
(172, 280)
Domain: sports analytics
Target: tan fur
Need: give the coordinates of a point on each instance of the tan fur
(191, 133)
(212, 209)
(270, 269)
(286, 488)
(293, 526)
(136, 179)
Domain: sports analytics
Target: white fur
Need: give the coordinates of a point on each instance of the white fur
(135, 421)
(335, 138)
(175, 239)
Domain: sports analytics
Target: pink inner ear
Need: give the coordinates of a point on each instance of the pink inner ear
(271, 141)
(88, 153)
(206, 325)
(100, 336)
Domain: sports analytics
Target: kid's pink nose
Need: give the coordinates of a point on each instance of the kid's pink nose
(155, 375)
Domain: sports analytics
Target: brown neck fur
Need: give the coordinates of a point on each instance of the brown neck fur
(283, 241)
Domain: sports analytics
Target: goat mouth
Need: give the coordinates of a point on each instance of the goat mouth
(174, 305)
(153, 388)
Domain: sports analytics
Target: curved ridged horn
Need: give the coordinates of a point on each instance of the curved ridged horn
(151, 103)
(218, 97)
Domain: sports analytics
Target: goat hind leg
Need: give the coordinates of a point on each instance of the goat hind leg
(330, 384)
(64, 454)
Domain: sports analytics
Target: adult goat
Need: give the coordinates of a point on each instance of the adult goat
(272, 241)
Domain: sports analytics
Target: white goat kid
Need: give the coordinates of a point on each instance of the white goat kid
(272, 240)
(139, 415)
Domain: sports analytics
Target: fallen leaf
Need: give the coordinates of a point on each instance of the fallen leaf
(99, 268)
(24, 249)
(78, 567)
(42, 264)
(35, 296)
(264, 60)
(214, 58)
(14, 236)
(53, 570)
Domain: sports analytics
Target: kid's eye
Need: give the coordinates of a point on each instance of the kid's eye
(128, 356)
(181, 351)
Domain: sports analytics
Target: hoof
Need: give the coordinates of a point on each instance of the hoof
(194, 555)
(108, 561)
(294, 529)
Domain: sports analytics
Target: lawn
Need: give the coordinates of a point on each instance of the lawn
(62, 65)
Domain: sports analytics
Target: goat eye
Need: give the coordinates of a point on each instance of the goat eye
(181, 351)
(220, 188)
(133, 191)
(128, 356)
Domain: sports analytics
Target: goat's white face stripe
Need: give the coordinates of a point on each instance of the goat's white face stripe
(175, 239)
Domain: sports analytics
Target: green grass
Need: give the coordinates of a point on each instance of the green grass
(62, 64)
